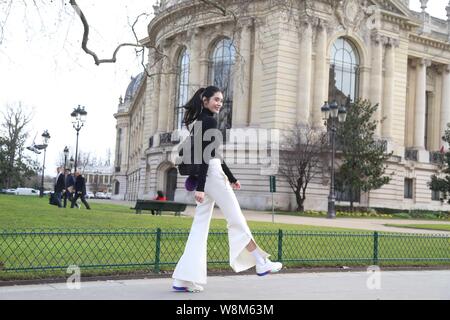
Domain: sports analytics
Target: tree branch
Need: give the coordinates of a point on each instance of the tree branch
(86, 38)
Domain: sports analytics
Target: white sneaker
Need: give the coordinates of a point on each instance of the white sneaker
(268, 267)
(186, 286)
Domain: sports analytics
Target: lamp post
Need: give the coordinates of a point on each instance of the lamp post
(71, 162)
(66, 154)
(331, 113)
(78, 119)
(43, 146)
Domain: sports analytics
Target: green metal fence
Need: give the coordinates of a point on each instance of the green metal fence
(44, 250)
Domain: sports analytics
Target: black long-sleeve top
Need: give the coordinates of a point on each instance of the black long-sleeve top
(80, 185)
(209, 122)
(59, 185)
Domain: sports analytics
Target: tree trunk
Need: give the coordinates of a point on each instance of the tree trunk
(300, 201)
(352, 209)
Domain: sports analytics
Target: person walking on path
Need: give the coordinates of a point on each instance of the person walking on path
(69, 186)
(215, 185)
(80, 190)
(59, 185)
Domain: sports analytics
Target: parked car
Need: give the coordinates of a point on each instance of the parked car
(100, 195)
(2, 191)
(89, 195)
(108, 195)
(10, 191)
(27, 192)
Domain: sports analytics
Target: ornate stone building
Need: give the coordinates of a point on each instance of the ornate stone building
(278, 61)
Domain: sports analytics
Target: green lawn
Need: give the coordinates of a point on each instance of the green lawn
(94, 240)
(439, 227)
(22, 212)
(339, 215)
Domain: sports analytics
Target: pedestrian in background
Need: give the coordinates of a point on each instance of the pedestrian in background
(69, 186)
(80, 190)
(59, 185)
(160, 196)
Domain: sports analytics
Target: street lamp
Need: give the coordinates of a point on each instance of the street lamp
(331, 113)
(71, 162)
(78, 119)
(66, 154)
(43, 146)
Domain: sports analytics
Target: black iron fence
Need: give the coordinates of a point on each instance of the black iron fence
(44, 250)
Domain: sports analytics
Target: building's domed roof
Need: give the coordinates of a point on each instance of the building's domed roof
(134, 86)
(164, 4)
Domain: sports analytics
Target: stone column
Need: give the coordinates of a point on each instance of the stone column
(320, 85)
(241, 88)
(445, 105)
(154, 97)
(163, 98)
(195, 81)
(376, 78)
(448, 19)
(389, 84)
(304, 75)
(257, 74)
(420, 107)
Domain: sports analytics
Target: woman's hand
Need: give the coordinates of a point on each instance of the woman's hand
(236, 185)
(199, 196)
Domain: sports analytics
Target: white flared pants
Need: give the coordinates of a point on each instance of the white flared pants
(193, 263)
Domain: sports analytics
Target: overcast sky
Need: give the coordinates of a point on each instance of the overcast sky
(42, 66)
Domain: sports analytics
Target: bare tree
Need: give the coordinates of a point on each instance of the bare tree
(15, 165)
(85, 159)
(301, 156)
(108, 157)
(94, 186)
(238, 12)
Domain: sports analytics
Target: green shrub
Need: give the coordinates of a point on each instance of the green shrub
(314, 213)
(362, 214)
(425, 214)
(402, 216)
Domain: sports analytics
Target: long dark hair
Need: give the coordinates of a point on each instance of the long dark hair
(195, 105)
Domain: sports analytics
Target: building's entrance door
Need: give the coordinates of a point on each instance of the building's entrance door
(171, 179)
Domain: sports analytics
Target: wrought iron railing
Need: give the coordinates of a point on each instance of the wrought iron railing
(437, 157)
(47, 250)
(411, 154)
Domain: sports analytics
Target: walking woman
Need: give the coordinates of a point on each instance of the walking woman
(215, 185)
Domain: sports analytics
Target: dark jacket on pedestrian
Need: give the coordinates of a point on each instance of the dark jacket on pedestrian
(70, 181)
(60, 183)
(80, 185)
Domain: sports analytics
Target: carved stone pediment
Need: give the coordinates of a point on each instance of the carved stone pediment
(399, 7)
(353, 14)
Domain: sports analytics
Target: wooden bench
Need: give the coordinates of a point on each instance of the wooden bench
(159, 206)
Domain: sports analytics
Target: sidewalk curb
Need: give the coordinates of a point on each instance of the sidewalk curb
(216, 273)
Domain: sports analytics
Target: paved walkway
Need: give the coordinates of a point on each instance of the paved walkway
(349, 223)
(402, 285)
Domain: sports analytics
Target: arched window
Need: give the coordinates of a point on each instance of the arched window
(222, 59)
(116, 187)
(182, 88)
(344, 72)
